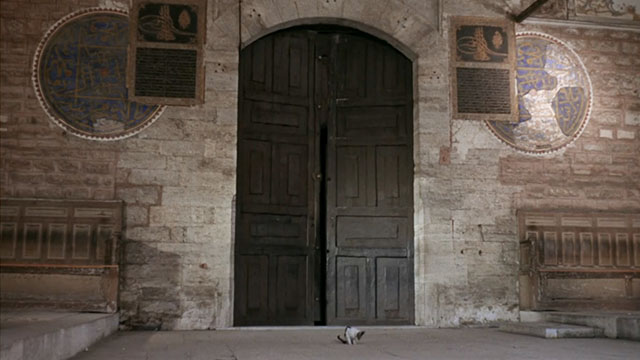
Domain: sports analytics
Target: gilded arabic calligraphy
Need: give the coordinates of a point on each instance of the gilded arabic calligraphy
(473, 44)
(80, 74)
(554, 95)
(172, 23)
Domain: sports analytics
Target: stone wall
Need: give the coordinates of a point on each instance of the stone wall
(177, 177)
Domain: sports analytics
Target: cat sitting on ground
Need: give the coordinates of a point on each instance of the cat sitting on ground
(351, 335)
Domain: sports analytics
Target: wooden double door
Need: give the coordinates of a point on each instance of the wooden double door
(324, 228)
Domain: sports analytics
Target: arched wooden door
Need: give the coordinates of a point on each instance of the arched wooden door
(324, 229)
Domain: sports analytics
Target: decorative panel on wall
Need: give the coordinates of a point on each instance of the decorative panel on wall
(554, 96)
(628, 10)
(615, 12)
(482, 58)
(567, 258)
(166, 51)
(79, 75)
(59, 232)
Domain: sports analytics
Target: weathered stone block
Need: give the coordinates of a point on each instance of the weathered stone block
(156, 307)
(149, 195)
(606, 133)
(330, 8)
(201, 178)
(222, 98)
(287, 9)
(181, 148)
(144, 145)
(76, 193)
(136, 215)
(305, 8)
(67, 166)
(221, 81)
(153, 177)
(98, 167)
(632, 117)
(625, 135)
(631, 48)
(224, 30)
(142, 160)
(181, 215)
(148, 234)
(604, 46)
(192, 196)
(607, 117)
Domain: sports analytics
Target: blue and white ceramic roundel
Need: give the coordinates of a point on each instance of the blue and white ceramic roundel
(554, 96)
(79, 74)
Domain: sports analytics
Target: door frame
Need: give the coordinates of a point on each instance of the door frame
(320, 166)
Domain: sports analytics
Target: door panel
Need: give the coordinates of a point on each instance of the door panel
(351, 177)
(276, 230)
(254, 163)
(275, 245)
(392, 171)
(392, 288)
(376, 122)
(291, 57)
(369, 186)
(351, 75)
(352, 302)
(252, 281)
(273, 117)
(371, 232)
(290, 174)
(292, 287)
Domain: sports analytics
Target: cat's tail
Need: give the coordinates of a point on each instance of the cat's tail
(342, 340)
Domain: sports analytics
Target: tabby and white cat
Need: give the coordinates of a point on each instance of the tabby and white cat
(351, 335)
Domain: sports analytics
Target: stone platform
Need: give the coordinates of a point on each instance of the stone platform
(51, 335)
(549, 330)
(612, 324)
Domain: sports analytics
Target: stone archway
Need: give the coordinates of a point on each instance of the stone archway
(411, 27)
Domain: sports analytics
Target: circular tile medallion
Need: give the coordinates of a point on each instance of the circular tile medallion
(554, 96)
(79, 74)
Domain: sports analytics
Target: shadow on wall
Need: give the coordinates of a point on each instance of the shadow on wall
(150, 287)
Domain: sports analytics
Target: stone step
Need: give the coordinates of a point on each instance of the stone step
(51, 335)
(550, 330)
(615, 324)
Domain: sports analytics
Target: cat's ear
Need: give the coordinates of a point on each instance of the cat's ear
(360, 334)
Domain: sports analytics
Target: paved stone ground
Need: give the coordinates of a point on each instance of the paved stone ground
(378, 343)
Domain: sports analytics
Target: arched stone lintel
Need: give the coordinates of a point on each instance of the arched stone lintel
(405, 49)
